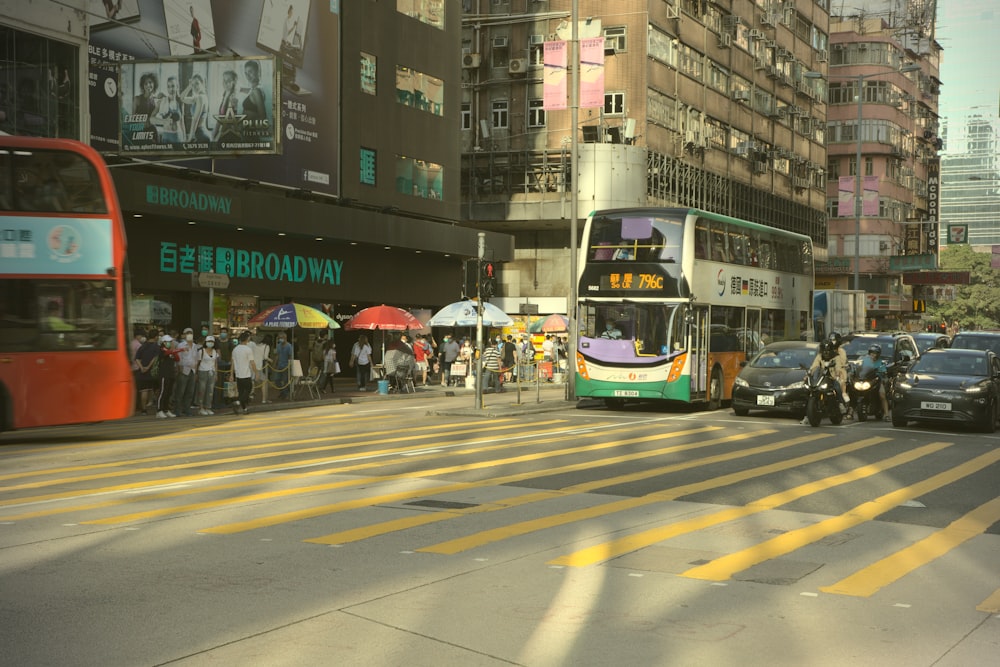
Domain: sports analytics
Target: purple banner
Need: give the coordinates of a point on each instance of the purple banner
(554, 79)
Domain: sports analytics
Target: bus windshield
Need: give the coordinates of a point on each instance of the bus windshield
(652, 329)
(636, 239)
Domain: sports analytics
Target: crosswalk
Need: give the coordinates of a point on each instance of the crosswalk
(591, 491)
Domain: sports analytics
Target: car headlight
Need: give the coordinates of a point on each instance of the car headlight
(797, 385)
(977, 388)
(740, 382)
(903, 384)
(863, 385)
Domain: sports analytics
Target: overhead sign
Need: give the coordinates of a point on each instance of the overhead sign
(936, 278)
(912, 262)
(213, 280)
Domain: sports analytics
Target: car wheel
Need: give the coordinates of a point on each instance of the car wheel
(898, 420)
(989, 423)
(741, 412)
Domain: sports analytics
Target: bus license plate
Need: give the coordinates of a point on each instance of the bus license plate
(765, 399)
(933, 405)
(627, 393)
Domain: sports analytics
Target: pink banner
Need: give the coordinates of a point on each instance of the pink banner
(592, 72)
(845, 201)
(554, 80)
(869, 202)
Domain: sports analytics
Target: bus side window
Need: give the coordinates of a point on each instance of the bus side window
(701, 242)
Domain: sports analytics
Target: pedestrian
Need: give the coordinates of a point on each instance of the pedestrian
(508, 357)
(262, 357)
(244, 370)
(146, 357)
(318, 354)
(284, 353)
(138, 338)
(492, 366)
(208, 358)
(166, 369)
(547, 348)
(361, 361)
(224, 346)
(330, 365)
(422, 355)
(187, 374)
(448, 356)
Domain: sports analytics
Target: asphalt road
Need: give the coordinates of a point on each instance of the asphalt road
(424, 532)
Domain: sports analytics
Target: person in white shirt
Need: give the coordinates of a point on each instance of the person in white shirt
(208, 358)
(361, 361)
(244, 370)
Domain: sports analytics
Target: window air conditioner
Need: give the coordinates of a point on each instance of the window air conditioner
(500, 42)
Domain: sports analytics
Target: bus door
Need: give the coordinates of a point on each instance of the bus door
(752, 342)
(698, 333)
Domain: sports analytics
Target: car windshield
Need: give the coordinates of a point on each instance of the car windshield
(976, 342)
(948, 364)
(858, 347)
(791, 358)
(925, 343)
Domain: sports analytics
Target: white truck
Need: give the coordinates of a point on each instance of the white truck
(837, 310)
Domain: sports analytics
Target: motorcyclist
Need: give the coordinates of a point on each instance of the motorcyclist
(830, 350)
(875, 362)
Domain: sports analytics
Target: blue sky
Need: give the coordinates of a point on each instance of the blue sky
(969, 33)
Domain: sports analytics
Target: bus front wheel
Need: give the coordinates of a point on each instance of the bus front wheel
(614, 403)
(715, 389)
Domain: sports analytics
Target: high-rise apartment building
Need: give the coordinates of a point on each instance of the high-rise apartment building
(704, 105)
(883, 105)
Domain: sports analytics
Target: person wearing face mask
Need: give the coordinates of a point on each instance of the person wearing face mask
(167, 372)
(208, 358)
(145, 356)
(187, 373)
(223, 345)
(283, 355)
(491, 366)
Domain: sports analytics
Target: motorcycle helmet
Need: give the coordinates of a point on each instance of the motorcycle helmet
(835, 339)
(876, 349)
(827, 350)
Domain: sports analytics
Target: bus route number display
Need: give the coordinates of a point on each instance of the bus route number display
(632, 281)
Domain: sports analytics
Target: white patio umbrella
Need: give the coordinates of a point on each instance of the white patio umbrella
(463, 314)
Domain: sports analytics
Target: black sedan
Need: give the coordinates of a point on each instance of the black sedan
(773, 379)
(950, 385)
(927, 340)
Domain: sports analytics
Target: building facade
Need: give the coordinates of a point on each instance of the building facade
(704, 105)
(359, 206)
(884, 70)
(970, 188)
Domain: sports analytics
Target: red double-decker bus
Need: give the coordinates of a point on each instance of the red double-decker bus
(64, 343)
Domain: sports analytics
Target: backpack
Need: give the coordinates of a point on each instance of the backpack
(154, 368)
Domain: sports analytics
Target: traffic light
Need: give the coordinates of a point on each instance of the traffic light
(488, 280)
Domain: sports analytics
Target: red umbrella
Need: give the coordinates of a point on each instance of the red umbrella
(384, 317)
(555, 323)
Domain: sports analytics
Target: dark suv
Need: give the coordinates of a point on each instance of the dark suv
(977, 340)
(898, 347)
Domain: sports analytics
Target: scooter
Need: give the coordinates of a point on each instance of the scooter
(824, 400)
(863, 389)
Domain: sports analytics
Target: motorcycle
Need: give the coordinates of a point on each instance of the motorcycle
(863, 388)
(824, 400)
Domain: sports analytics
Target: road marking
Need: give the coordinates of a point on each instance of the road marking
(524, 527)
(365, 532)
(313, 512)
(607, 550)
(990, 605)
(867, 581)
(723, 568)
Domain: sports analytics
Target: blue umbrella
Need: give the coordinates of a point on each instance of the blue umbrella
(463, 314)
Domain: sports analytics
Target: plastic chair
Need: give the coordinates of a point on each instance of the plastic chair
(309, 383)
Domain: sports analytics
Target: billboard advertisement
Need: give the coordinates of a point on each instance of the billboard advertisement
(218, 106)
(299, 38)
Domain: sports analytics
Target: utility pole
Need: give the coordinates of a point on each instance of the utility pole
(574, 204)
(479, 321)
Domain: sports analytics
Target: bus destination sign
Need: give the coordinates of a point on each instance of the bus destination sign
(627, 280)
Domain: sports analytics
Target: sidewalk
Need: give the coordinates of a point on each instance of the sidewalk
(451, 401)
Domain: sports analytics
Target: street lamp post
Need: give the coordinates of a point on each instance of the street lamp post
(860, 78)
